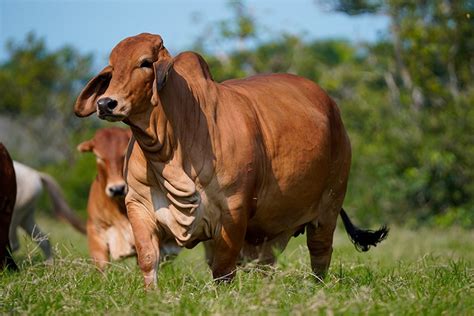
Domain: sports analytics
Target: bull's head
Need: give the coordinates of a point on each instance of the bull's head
(129, 85)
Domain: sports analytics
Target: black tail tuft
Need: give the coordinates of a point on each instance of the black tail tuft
(361, 238)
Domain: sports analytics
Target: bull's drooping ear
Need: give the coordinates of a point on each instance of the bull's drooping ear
(85, 146)
(86, 101)
(162, 68)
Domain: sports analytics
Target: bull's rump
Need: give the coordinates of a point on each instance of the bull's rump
(298, 126)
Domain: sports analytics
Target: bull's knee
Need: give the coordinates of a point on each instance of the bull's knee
(148, 261)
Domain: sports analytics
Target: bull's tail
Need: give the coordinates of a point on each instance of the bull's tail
(363, 238)
(60, 207)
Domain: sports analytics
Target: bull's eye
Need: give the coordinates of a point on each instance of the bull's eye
(146, 64)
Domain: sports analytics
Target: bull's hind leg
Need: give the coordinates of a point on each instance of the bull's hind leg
(146, 242)
(320, 232)
(319, 236)
(319, 239)
(229, 242)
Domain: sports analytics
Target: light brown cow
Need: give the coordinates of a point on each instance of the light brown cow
(247, 163)
(109, 232)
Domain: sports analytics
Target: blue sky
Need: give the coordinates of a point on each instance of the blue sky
(96, 26)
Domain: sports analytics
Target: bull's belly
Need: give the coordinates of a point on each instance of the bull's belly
(292, 194)
(277, 212)
(275, 222)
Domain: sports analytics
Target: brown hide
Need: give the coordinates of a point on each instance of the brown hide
(7, 203)
(245, 163)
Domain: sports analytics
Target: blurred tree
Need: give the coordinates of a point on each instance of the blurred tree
(428, 133)
(432, 43)
(235, 36)
(241, 28)
(38, 89)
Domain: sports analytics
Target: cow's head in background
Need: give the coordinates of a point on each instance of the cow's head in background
(109, 145)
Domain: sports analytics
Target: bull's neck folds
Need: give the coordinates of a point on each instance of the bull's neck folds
(174, 137)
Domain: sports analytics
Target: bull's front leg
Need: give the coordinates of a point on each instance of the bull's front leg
(146, 241)
(229, 241)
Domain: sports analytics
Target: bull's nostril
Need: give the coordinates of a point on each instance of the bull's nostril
(106, 104)
(112, 104)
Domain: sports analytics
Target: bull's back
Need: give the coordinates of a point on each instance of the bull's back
(300, 128)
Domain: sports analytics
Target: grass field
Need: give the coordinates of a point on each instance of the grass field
(425, 272)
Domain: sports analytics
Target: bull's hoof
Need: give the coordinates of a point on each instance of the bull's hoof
(223, 277)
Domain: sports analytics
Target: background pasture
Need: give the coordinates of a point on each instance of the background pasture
(427, 272)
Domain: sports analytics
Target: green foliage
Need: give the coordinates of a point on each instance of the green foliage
(425, 142)
(38, 88)
(37, 91)
(34, 81)
(242, 26)
(354, 7)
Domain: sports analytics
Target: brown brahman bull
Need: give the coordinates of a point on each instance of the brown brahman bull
(109, 233)
(7, 203)
(247, 163)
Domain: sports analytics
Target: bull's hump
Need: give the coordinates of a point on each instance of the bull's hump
(265, 79)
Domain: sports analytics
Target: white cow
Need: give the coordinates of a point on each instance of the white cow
(30, 183)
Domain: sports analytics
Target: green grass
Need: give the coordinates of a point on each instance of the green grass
(424, 272)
